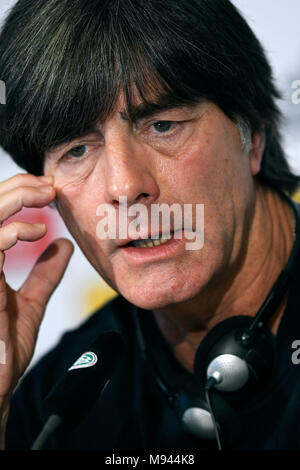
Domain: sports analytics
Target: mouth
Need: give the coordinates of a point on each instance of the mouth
(150, 242)
(153, 249)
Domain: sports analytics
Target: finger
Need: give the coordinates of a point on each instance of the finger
(25, 179)
(46, 274)
(13, 201)
(11, 233)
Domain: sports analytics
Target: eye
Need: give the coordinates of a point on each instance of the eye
(77, 152)
(163, 126)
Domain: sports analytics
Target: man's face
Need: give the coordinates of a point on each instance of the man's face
(185, 155)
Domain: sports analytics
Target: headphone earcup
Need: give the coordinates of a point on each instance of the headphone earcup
(196, 419)
(241, 365)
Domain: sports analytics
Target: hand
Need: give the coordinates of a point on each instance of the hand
(21, 311)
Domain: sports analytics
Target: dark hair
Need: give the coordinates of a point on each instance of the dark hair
(65, 62)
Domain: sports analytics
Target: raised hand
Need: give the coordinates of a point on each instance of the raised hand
(21, 312)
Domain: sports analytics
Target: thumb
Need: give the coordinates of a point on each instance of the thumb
(47, 273)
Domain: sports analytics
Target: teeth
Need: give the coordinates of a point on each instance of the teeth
(150, 243)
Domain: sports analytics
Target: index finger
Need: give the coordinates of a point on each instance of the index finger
(23, 179)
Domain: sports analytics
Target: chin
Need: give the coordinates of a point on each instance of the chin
(161, 296)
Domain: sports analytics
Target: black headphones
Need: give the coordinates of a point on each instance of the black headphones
(235, 357)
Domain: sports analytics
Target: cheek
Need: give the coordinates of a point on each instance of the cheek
(78, 210)
(214, 173)
(79, 199)
(200, 172)
(77, 206)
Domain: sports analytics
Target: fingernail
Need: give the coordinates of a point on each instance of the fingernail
(46, 179)
(46, 189)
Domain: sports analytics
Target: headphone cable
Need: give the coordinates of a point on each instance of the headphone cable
(211, 381)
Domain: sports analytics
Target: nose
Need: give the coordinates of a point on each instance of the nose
(128, 172)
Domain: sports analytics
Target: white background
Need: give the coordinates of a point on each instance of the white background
(276, 23)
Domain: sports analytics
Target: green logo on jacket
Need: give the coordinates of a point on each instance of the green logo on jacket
(87, 359)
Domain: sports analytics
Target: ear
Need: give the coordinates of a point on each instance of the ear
(257, 150)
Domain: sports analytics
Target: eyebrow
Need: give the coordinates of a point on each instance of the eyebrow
(93, 130)
(148, 109)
